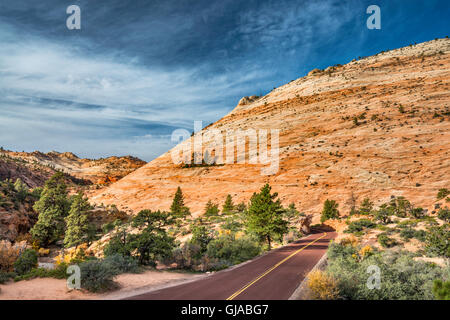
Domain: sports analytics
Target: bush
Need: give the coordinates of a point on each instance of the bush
(120, 264)
(231, 250)
(409, 233)
(385, 241)
(444, 214)
(26, 261)
(9, 253)
(401, 276)
(5, 276)
(97, 276)
(187, 256)
(107, 227)
(441, 290)
(442, 193)
(360, 225)
(437, 241)
(322, 286)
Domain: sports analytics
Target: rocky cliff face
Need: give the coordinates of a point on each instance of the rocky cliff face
(373, 128)
(36, 167)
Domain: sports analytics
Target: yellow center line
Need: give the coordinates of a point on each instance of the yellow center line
(234, 295)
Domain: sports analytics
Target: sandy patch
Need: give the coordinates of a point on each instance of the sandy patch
(55, 289)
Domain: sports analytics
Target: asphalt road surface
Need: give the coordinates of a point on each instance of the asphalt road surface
(273, 276)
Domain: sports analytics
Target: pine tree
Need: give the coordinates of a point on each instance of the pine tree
(329, 211)
(228, 206)
(178, 209)
(52, 208)
(211, 209)
(265, 216)
(77, 230)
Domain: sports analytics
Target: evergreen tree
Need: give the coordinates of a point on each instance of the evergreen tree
(291, 211)
(211, 209)
(77, 230)
(329, 211)
(178, 209)
(52, 208)
(366, 207)
(152, 242)
(265, 216)
(200, 236)
(228, 206)
(21, 188)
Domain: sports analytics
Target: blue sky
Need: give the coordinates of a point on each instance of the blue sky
(137, 70)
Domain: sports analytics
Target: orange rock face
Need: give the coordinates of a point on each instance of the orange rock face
(371, 128)
(36, 167)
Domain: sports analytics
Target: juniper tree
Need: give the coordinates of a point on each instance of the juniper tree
(366, 207)
(52, 208)
(265, 216)
(77, 222)
(152, 242)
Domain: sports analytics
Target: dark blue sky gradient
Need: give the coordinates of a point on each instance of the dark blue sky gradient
(138, 69)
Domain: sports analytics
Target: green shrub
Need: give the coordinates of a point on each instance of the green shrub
(437, 241)
(401, 276)
(107, 227)
(417, 212)
(385, 241)
(60, 272)
(444, 214)
(408, 233)
(118, 245)
(230, 250)
(360, 225)
(97, 276)
(201, 237)
(120, 264)
(441, 290)
(26, 261)
(420, 235)
(442, 193)
(6, 276)
(366, 207)
(187, 256)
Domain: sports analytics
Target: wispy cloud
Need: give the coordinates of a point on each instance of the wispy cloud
(46, 82)
(138, 69)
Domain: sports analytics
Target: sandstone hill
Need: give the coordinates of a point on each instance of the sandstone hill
(36, 167)
(374, 127)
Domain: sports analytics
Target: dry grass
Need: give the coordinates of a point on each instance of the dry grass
(322, 286)
(9, 254)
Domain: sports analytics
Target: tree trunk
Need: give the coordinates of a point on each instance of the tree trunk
(268, 240)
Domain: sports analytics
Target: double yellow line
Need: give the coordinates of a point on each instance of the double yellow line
(234, 295)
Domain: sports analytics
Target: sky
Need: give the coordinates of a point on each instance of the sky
(138, 70)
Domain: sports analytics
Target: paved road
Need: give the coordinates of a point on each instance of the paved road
(273, 276)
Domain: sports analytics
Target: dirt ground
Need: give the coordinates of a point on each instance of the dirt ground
(55, 289)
